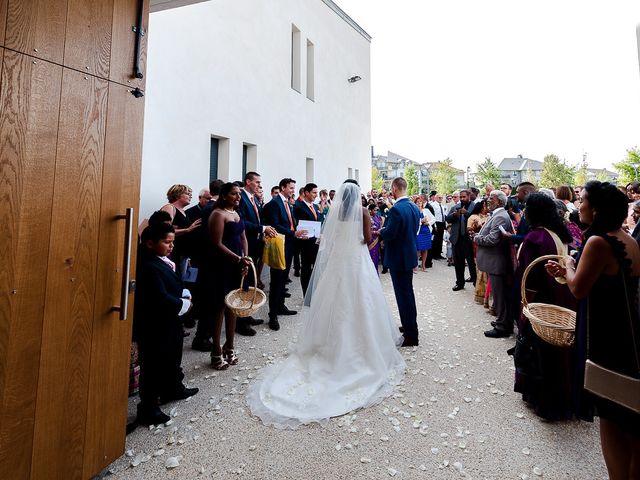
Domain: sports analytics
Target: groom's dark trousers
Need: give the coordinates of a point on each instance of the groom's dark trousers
(403, 287)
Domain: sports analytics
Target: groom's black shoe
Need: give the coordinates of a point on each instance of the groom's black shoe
(457, 287)
(274, 324)
(285, 311)
(410, 342)
(497, 333)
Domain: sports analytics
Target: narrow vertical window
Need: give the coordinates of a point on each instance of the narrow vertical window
(311, 92)
(245, 148)
(350, 173)
(295, 58)
(357, 177)
(213, 159)
(310, 170)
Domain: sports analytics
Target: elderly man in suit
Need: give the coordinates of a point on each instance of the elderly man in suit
(279, 215)
(494, 257)
(305, 209)
(459, 237)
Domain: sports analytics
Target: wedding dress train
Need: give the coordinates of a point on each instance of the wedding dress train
(346, 356)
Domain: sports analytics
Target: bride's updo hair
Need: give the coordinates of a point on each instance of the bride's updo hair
(351, 180)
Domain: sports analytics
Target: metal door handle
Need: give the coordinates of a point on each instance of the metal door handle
(139, 30)
(126, 264)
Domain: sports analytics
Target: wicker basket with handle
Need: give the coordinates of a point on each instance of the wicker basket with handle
(244, 303)
(553, 324)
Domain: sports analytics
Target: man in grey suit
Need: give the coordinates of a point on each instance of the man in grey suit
(459, 237)
(494, 257)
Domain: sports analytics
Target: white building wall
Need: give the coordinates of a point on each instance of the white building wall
(223, 68)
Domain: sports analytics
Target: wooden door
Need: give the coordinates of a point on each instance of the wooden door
(29, 104)
(70, 154)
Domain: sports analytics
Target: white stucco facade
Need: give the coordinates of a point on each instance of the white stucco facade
(223, 68)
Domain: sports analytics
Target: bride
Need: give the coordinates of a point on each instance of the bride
(346, 356)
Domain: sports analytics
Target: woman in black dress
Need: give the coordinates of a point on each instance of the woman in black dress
(228, 262)
(605, 281)
(179, 196)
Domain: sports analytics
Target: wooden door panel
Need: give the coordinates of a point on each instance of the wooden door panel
(71, 277)
(3, 19)
(109, 375)
(36, 27)
(125, 17)
(87, 44)
(29, 105)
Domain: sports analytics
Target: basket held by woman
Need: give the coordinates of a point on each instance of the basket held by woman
(244, 303)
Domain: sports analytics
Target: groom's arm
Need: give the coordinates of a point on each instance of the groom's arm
(392, 225)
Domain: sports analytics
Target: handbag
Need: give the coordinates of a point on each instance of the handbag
(609, 384)
(273, 254)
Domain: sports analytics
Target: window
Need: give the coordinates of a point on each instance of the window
(350, 173)
(309, 170)
(295, 58)
(249, 158)
(357, 175)
(311, 94)
(213, 159)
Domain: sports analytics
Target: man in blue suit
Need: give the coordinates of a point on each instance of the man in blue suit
(400, 256)
(255, 231)
(279, 214)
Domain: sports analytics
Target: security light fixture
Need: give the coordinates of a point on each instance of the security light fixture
(354, 79)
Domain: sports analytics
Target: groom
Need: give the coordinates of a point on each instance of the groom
(399, 235)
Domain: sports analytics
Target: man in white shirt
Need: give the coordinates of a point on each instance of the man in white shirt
(440, 212)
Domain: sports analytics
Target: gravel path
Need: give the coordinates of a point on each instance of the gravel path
(455, 415)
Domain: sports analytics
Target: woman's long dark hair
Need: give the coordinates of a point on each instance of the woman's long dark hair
(477, 208)
(541, 211)
(225, 190)
(610, 206)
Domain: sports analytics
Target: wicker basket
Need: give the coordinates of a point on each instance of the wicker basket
(553, 324)
(244, 303)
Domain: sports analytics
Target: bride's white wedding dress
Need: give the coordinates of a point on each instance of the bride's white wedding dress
(346, 356)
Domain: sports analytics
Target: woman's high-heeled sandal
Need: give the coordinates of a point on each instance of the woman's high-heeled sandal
(218, 362)
(230, 356)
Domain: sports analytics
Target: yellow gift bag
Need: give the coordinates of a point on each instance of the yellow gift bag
(273, 254)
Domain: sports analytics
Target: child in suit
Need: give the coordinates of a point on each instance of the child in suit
(160, 301)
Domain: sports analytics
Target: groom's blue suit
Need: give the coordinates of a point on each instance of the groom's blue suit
(400, 257)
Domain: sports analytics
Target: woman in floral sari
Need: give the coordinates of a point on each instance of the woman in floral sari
(374, 244)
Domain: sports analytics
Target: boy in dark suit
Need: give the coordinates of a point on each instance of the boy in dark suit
(160, 301)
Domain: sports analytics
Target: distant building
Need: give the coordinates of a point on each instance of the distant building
(521, 169)
(393, 165)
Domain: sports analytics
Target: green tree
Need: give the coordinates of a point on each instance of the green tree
(487, 172)
(556, 172)
(443, 178)
(582, 175)
(602, 175)
(411, 176)
(626, 167)
(376, 179)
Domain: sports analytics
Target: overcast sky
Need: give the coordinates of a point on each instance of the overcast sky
(467, 79)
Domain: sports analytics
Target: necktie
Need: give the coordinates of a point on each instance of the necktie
(255, 208)
(463, 226)
(168, 263)
(286, 209)
(313, 211)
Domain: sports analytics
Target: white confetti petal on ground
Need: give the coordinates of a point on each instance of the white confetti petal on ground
(365, 460)
(158, 452)
(434, 450)
(338, 447)
(384, 438)
(526, 451)
(172, 462)
(537, 471)
(392, 472)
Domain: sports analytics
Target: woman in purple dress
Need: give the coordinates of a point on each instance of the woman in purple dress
(374, 244)
(543, 371)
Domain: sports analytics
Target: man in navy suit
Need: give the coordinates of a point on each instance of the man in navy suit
(305, 209)
(279, 215)
(400, 257)
(255, 231)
